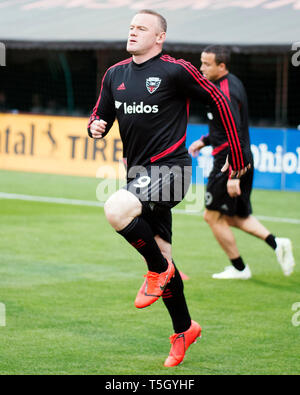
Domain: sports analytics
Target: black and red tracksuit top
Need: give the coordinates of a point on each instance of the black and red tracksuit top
(151, 103)
(234, 90)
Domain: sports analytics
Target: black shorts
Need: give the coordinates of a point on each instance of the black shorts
(217, 198)
(160, 188)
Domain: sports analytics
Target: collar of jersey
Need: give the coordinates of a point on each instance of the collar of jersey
(142, 66)
(222, 78)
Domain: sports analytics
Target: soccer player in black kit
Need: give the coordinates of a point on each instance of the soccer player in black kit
(149, 95)
(228, 200)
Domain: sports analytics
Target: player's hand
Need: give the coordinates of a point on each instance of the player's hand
(234, 188)
(240, 173)
(97, 129)
(195, 148)
(235, 174)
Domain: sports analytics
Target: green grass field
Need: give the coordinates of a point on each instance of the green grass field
(68, 283)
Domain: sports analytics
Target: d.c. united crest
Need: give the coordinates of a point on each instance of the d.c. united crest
(152, 84)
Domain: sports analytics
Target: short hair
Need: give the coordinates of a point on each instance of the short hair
(222, 53)
(162, 20)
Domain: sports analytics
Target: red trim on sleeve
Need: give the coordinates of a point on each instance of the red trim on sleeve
(219, 149)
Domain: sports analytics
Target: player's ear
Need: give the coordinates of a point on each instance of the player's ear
(222, 66)
(161, 38)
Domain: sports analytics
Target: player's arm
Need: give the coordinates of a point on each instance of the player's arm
(206, 140)
(197, 86)
(196, 147)
(104, 114)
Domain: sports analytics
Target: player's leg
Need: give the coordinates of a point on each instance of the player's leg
(250, 225)
(186, 331)
(160, 218)
(217, 203)
(165, 247)
(173, 295)
(281, 246)
(245, 221)
(222, 232)
(225, 237)
(123, 211)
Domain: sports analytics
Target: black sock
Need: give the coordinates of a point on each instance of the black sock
(271, 241)
(238, 263)
(139, 234)
(175, 302)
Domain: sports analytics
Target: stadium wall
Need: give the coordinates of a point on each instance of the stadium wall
(60, 145)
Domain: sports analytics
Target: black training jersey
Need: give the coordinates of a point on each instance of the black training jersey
(234, 90)
(151, 103)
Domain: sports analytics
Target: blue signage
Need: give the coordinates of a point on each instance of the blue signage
(276, 154)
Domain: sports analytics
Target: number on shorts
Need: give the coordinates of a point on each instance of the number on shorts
(142, 182)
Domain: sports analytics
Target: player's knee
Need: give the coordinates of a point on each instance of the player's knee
(210, 217)
(207, 216)
(112, 215)
(120, 206)
(114, 209)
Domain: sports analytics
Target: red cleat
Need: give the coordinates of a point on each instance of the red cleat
(154, 286)
(180, 343)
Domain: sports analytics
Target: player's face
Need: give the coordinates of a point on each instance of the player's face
(209, 68)
(144, 34)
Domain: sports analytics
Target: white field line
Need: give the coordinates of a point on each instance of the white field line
(75, 202)
(45, 199)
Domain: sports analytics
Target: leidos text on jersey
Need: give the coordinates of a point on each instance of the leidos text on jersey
(140, 108)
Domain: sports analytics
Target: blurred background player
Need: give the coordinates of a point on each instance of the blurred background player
(228, 200)
(149, 95)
